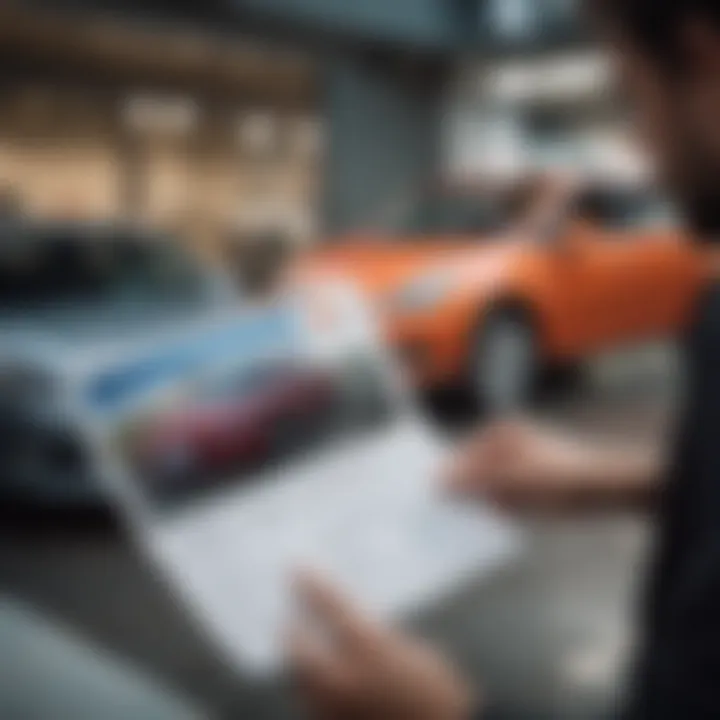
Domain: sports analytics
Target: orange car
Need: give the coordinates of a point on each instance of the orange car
(492, 288)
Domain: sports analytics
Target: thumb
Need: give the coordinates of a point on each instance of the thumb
(472, 458)
(337, 614)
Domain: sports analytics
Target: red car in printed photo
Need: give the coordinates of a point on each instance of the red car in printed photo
(239, 423)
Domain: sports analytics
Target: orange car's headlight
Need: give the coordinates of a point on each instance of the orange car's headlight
(422, 294)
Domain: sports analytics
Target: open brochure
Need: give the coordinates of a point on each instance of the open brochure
(285, 448)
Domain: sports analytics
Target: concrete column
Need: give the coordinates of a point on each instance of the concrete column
(383, 115)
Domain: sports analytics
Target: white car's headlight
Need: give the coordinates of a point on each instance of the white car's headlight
(423, 293)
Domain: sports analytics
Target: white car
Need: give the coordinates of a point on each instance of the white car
(74, 300)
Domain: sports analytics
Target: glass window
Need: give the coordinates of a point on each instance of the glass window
(458, 214)
(624, 209)
(480, 213)
(513, 19)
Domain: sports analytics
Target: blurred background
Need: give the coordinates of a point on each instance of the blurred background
(236, 124)
(306, 115)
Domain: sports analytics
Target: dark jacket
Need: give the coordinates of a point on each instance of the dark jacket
(678, 670)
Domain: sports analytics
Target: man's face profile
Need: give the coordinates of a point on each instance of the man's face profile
(675, 104)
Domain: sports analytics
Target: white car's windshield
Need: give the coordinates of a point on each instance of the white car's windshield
(54, 269)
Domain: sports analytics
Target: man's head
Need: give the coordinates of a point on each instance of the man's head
(669, 57)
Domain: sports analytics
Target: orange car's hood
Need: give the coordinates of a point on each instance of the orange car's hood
(379, 266)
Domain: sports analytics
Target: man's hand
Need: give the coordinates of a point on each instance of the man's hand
(350, 668)
(523, 466)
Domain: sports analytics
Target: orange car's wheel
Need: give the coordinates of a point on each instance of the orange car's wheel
(504, 362)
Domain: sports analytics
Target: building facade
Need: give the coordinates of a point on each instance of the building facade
(202, 117)
(180, 129)
(537, 94)
(307, 115)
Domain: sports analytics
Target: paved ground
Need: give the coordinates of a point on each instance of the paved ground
(73, 679)
(548, 636)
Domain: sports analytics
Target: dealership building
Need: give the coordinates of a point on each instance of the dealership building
(308, 115)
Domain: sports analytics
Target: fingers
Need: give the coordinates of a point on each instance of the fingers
(323, 678)
(315, 665)
(465, 462)
(326, 654)
(463, 474)
(480, 459)
(336, 614)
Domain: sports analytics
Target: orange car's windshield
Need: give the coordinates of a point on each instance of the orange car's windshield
(623, 207)
(480, 214)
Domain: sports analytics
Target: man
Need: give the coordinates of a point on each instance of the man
(668, 53)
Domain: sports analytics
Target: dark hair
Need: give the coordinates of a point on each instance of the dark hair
(653, 25)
